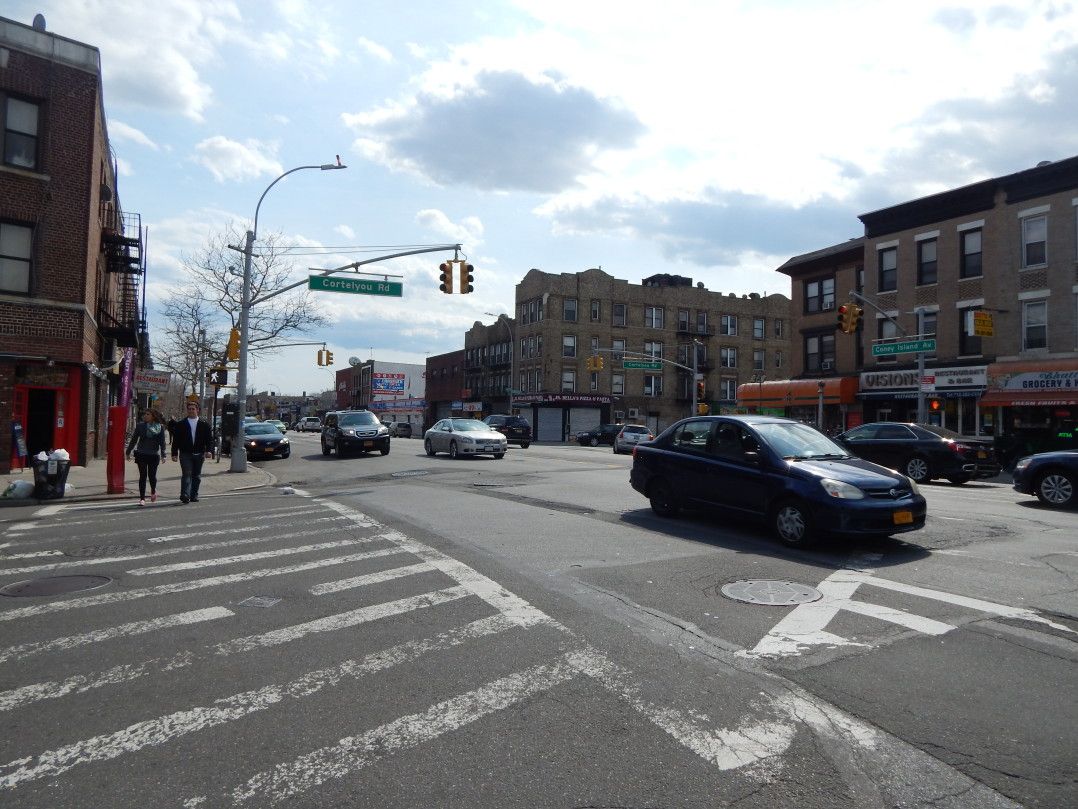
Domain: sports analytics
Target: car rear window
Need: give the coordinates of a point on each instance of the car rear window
(632, 429)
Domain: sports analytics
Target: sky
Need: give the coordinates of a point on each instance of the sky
(708, 139)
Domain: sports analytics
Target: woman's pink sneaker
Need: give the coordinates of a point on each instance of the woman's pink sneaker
(142, 502)
(153, 497)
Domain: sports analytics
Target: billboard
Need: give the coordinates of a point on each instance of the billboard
(386, 384)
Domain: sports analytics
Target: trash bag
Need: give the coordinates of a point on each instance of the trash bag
(18, 490)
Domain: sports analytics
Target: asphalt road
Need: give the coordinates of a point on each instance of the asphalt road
(524, 632)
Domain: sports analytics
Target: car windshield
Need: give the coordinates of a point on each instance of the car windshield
(469, 426)
(798, 441)
(353, 419)
(261, 429)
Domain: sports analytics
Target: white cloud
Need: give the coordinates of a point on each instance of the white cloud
(230, 160)
(374, 49)
(120, 131)
(123, 167)
(345, 231)
(468, 231)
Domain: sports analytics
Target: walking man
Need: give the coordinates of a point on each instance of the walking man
(192, 443)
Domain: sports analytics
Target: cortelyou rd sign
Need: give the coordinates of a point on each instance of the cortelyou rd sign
(357, 286)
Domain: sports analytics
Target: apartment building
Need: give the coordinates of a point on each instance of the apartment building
(646, 335)
(395, 391)
(71, 260)
(445, 386)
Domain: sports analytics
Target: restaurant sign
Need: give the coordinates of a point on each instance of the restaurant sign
(945, 378)
(561, 398)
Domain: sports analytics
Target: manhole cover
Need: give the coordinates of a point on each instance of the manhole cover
(101, 550)
(771, 593)
(411, 474)
(54, 585)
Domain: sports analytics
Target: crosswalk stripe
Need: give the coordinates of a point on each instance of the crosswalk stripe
(190, 584)
(24, 650)
(164, 729)
(244, 530)
(370, 578)
(244, 557)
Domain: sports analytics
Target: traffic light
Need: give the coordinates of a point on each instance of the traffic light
(232, 351)
(855, 316)
(845, 318)
(935, 405)
(321, 356)
(702, 409)
(446, 277)
(466, 278)
(600, 363)
(329, 358)
(701, 391)
(595, 362)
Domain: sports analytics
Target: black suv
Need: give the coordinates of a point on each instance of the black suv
(603, 434)
(515, 428)
(353, 431)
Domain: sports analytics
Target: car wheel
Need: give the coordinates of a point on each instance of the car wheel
(286, 453)
(616, 451)
(325, 449)
(524, 444)
(958, 480)
(663, 501)
(385, 451)
(916, 469)
(792, 524)
(594, 441)
(337, 447)
(453, 450)
(428, 447)
(499, 455)
(1055, 488)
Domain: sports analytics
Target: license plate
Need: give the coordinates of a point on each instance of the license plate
(982, 454)
(903, 517)
(368, 443)
(270, 449)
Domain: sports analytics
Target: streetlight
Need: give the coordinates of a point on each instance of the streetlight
(239, 452)
(504, 320)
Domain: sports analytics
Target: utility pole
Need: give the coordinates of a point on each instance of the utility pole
(201, 366)
(920, 312)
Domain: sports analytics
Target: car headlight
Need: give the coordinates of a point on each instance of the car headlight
(284, 440)
(349, 431)
(843, 491)
(464, 439)
(383, 431)
(1022, 463)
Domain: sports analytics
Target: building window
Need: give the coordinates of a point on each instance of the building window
(568, 380)
(886, 329)
(618, 347)
(653, 349)
(926, 262)
(653, 385)
(594, 345)
(968, 345)
(728, 325)
(819, 352)
(594, 381)
(617, 384)
(728, 357)
(568, 345)
(780, 327)
(596, 311)
(929, 331)
(701, 322)
(758, 359)
(20, 133)
(888, 278)
(819, 295)
(728, 388)
(759, 328)
(568, 310)
(1034, 241)
(683, 317)
(653, 317)
(15, 249)
(971, 254)
(778, 359)
(1034, 325)
(620, 314)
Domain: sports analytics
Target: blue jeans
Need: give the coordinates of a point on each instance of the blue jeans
(190, 473)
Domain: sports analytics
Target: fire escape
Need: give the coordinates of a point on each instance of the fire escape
(119, 305)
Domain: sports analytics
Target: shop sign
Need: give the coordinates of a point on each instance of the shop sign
(473, 407)
(976, 376)
(387, 384)
(152, 380)
(980, 324)
(561, 398)
(1038, 380)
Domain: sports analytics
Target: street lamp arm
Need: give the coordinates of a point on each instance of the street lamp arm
(322, 167)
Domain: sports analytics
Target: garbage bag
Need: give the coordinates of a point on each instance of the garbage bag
(18, 490)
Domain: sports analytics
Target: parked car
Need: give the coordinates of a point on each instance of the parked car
(629, 436)
(777, 470)
(603, 434)
(280, 425)
(516, 429)
(265, 440)
(1052, 476)
(400, 429)
(923, 452)
(346, 431)
(464, 437)
(309, 424)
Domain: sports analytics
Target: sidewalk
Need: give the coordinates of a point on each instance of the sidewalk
(89, 483)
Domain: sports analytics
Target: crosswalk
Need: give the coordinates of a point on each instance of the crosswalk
(168, 661)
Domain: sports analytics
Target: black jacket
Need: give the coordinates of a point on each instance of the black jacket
(181, 439)
(145, 444)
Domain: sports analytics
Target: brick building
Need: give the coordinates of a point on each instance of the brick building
(394, 391)
(70, 260)
(445, 385)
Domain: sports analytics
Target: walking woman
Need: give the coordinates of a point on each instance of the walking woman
(148, 442)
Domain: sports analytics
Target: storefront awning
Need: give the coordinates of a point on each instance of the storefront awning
(1044, 398)
(1032, 383)
(797, 392)
(939, 393)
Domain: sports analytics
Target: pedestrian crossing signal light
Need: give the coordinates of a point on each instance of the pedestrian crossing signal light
(232, 351)
(466, 278)
(446, 277)
(321, 356)
(329, 358)
(935, 405)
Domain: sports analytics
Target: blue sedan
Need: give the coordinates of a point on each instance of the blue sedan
(1052, 476)
(781, 471)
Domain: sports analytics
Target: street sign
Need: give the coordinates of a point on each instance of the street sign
(904, 347)
(928, 383)
(357, 286)
(642, 365)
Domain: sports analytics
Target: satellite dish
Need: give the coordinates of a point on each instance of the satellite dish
(354, 361)
(39, 22)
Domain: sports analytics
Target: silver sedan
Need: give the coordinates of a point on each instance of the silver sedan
(463, 437)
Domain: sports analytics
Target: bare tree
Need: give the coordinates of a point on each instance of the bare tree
(211, 300)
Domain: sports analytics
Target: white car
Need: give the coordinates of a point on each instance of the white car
(464, 437)
(630, 436)
(309, 424)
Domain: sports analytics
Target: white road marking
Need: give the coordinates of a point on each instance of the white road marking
(123, 630)
(370, 578)
(917, 623)
(7, 557)
(22, 526)
(244, 530)
(244, 557)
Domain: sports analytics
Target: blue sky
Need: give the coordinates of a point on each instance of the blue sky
(707, 139)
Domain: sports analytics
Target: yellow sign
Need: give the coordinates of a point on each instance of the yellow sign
(983, 325)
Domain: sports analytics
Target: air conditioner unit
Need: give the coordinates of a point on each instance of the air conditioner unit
(828, 305)
(619, 415)
(634, 412)
(827, 365)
